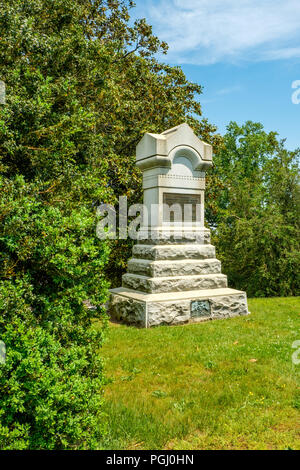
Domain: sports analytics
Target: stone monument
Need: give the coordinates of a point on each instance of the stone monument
(174, 276)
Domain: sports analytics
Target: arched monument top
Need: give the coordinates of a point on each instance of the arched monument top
(159, 149)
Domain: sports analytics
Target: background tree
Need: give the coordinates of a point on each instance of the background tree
(253, 207)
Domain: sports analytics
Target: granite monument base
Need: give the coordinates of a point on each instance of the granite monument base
(175, 278)
(173, 308)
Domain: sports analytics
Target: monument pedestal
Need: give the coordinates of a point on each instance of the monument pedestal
(174, 276)
(173, 280)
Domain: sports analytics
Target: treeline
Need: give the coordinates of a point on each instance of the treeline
(254, 211)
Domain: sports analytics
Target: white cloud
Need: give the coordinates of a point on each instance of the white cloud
(210, 31)
(229, 90)
(222, 92)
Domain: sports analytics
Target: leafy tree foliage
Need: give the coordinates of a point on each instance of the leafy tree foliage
(253, 206)
(83, 87)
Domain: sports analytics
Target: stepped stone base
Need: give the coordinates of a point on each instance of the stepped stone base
(146, 310)
(172, 279)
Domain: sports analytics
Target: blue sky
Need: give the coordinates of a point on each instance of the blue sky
(245, 53)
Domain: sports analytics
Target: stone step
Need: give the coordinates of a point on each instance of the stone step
(174, 252)
(173, 284)
(167, 268)
(173, 236)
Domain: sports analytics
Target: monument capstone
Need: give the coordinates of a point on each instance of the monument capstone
(174, 276)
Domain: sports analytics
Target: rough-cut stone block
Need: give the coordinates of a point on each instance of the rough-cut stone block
(173, 284)
(167, 237)
(179, 311)
(174, 267)
(128, 310)
(228, 306)
(168, 313)
(173, 252)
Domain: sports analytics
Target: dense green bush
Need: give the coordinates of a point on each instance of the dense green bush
(51, 384)
(51, 394)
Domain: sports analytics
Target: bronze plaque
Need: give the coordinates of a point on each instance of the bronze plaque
(181, 199)
(200, 308)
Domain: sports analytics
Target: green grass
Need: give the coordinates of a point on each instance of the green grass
(227, 384)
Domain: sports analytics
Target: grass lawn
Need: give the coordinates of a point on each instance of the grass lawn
(227, 384)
